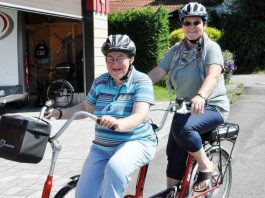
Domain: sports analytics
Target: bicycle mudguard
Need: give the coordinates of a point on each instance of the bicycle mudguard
(67, 187)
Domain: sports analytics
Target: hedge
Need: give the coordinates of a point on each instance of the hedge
(244, 34)
(247, 43)
(148, 28)
(178, 35)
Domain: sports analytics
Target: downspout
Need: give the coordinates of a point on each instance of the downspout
(88, 46)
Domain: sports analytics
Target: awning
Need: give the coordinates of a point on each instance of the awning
(65, 8)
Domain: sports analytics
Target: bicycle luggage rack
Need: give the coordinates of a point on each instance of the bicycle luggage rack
(225, 131)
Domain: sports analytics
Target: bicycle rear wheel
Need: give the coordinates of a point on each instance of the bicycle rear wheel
(220, 157)
(68, 190)
(61, 92)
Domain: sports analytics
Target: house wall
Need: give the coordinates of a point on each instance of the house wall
(100, 35)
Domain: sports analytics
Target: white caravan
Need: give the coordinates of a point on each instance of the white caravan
(13, 86)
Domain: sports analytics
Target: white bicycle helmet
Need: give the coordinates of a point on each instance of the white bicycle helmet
(193, 9)
(120, 43)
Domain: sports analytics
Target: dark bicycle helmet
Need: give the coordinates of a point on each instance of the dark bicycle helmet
(119, 43)
(193, 9)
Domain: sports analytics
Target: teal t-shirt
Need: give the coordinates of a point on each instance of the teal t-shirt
(118, 102)
(187, 80)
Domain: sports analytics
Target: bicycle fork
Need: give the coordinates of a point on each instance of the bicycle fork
(56, 148)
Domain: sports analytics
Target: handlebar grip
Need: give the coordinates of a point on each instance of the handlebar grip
(188, 105)
(46, 113)
(112, 128)
(180, 100)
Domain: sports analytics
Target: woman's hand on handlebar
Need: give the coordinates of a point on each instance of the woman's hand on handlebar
(52, 113)
(109, 122)
(197, 105)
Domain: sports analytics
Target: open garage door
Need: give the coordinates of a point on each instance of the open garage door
(66, 8)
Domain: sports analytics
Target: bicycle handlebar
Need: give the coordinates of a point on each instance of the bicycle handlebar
(85, 114)
(71, 119)
(49, 104)
(180, 106)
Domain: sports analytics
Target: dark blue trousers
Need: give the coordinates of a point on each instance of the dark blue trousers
(185, 137)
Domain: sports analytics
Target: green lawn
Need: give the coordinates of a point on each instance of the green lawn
(161, 94)
(233, 92)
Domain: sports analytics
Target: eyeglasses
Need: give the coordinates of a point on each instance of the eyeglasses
(119, 59)
(187, 23)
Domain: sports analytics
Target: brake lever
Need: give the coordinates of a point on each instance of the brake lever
(183, 109)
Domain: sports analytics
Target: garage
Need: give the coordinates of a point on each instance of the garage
(52, 44)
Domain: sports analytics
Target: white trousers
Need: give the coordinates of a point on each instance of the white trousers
(106, 174)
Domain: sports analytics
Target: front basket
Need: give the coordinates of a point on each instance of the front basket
(23, 139)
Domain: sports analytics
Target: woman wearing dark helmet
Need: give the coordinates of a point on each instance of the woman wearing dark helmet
(123, 140)
(194, 67)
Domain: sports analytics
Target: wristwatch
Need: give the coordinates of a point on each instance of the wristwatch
(198, 94)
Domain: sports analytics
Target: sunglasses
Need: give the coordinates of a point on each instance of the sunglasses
(187, 23)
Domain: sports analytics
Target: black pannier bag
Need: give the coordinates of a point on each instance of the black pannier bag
(23, 139)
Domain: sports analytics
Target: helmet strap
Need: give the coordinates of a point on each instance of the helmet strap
(127, 74)
(196, 41)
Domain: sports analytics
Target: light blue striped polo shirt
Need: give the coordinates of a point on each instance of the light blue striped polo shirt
(118, 101)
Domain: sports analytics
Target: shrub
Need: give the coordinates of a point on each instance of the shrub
(213, 33)
(247, 42)
(177, 35)
(148, 28)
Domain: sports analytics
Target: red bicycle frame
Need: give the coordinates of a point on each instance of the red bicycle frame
(140, 183)
(47, 187)
(184, 185)
(183, 188)
(186, 180)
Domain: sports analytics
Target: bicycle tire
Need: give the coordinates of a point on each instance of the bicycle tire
(61, 92)
(68, 190)
(223, 190)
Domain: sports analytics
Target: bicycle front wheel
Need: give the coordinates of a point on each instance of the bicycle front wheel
(222, 174)
(61, 92)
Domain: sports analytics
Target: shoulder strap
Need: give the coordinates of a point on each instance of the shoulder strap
(174, 57)
(203, 56)
(171, 67)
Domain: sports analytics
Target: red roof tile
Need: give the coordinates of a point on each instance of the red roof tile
(123, 5)
(170, 5)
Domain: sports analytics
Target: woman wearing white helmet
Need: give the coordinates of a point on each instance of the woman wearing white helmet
(123, 140)
(194, 67)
